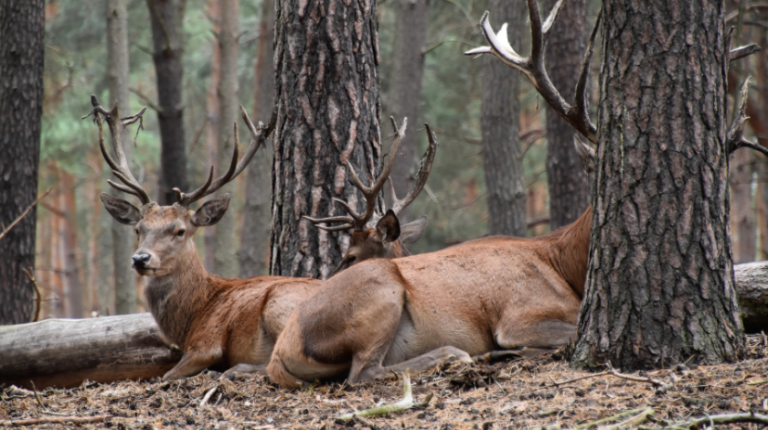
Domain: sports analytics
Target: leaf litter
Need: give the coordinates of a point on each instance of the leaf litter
(516, 393)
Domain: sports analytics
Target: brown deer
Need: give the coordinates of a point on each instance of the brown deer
(214, 321)
(495, 293)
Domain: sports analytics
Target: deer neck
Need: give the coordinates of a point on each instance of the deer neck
(569, 251)
(176, 299)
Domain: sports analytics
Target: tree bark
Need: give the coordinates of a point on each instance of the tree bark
(22, 27)
(660, 287)
(411, 22)
(226, 256)
(743, 226)
(73, 284)
(328, 98)
(64, 353)
(568, 182)
(167, 56)
(117, 74)
(500, 121)
(254, 237)
(213, 10)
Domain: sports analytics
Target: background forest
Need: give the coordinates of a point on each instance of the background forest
(74, 232)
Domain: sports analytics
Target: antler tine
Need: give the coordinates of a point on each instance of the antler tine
(735, 136)
(421, 178)
(120, 166)
(534, 69)
(258, 136)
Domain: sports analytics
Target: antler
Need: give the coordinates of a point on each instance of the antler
(370, 218)
(120, 167)
(533, 67)
(735, 135)
(258, 135)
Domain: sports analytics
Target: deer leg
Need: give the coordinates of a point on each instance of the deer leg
(541, 335)
(191, 363)
(416, 364)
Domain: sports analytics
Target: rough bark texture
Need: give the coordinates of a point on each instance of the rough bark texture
(500, 121)
(167, 56)
(328, 94)
(117, 75)
(64, 353)
(660, 277)
(254, 236)
(411, 20)
(226, 257)
(567, 180)
(22, 26)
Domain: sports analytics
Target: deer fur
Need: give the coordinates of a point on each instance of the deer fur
(414, 312)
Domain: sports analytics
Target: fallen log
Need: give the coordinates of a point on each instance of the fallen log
(65, 352)
(752, 289)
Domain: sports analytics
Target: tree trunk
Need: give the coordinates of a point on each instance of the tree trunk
(22, 27)
(117, 73)
(168, 71)
(328, 99)
(254, 237)
(226, 257)
(411, 22)
(64, 353)
(213, 10)
(500, 120)
(73, 285)
(660, 278)
(567, 180)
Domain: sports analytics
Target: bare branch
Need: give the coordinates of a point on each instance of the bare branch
(743, 51)
(735, 135)
(23, 214)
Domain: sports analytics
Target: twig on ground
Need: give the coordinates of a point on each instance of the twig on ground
(594, 375)
(55, 420)
(632, 422)
(42, 405)
(208, 396)
(660, 385)
(23, 214)
(616, 417)
(746, 417)
(404, 404)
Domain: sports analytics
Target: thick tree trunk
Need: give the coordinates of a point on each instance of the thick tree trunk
(73, 284)
(167, 55)
(226, 246)
(64, 353)
(328, 98)
(254, 237)
(117, 74)
(567, 180)
(500, 121)
(411, 21)
(660, 278)
(22, 27)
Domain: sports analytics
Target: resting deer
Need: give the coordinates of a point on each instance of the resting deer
(214, 321)
(495, 293)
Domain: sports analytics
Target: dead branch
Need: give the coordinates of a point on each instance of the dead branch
(746, 417)
(404, 404)
(208, 395)
(594, 375)
(743, 51)
(660, 385)
(621, 415)
(55, 420)
(23, 214)
(735, 135)
(38, 295)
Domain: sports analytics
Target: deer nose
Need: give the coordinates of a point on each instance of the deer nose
(140, 260)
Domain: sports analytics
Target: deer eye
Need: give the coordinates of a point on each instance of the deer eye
(351, 259)
(137, 232)
(180, 233)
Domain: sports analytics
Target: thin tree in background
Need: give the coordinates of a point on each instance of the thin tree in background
(404, 95)
(566, 179)
(328, 100)
(72, 282)
(117, 76)
(255, 232)
(213, 11)
(166, 17)
(500, 122)
(22, 28)
(225, 257)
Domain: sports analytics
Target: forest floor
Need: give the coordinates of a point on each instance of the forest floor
(522, 393)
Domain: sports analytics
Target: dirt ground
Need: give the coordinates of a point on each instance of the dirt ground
(521, 393)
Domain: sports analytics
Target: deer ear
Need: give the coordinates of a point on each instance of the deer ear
(122, 211)
(211, 212)
(586, 152)
(411, 232)
(388, 227)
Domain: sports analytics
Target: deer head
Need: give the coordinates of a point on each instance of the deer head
(380, 235)
(165, 232)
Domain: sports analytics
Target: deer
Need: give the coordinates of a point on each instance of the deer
(494, 294)
(214, 321)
